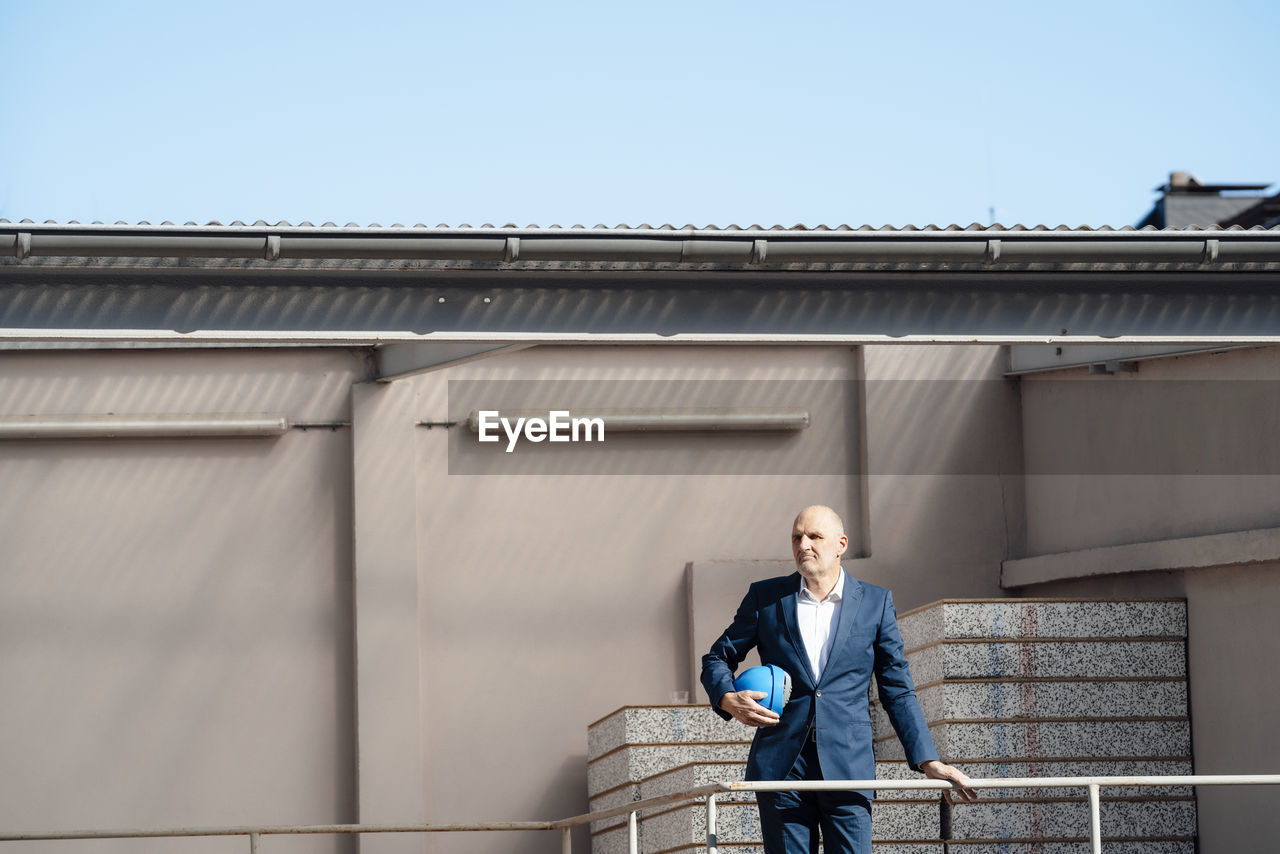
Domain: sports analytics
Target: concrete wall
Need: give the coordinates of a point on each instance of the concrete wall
(381, 622)
(548, 599)
(1231, 651)
(175, 623)
(1182, 447)
(389, 622)
(1086, 521)
(944, 464)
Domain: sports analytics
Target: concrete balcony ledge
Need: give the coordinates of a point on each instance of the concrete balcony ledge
(1260, 545)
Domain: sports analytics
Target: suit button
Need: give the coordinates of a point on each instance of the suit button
(817, 693)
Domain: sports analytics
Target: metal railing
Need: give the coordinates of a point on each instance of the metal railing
(709, 792)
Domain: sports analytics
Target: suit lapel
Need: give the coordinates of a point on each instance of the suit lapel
(848, 616)
(788, 604)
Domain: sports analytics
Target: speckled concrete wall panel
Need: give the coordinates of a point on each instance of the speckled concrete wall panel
(611, 842)
(699, 774)
(1054, 739)
(1056, 847)
(928, 666)
(681, 827)
(906, 820)
(922, 627)
(678, 779)
(602, 731)
(1143, 819)
(1081, 768)
(690, 776)
(687, 825)
(898, 770)
(661, 724)
(1095, 659)
(877, 846)
(1067, 619)
(1084, 767)
(617, 797)
(641, 761)
(962, 700)
(738, 822)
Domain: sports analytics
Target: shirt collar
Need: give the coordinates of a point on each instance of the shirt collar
(836, 594)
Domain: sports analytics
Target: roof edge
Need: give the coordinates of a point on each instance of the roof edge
(989, 246)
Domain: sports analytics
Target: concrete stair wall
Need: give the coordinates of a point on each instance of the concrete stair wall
(1011, 688)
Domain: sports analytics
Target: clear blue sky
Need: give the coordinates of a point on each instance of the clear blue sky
(645, 112)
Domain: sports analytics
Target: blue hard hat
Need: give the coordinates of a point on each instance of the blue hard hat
(772, 680)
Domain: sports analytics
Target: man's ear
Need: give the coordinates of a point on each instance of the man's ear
(844, 544)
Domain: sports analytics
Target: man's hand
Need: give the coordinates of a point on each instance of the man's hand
(941, 771)
(743, 707)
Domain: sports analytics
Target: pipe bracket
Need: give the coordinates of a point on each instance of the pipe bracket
(759, 251)
(1210, 256)
(272, 250)
(511, 250)
(992, 255)
(23, 247)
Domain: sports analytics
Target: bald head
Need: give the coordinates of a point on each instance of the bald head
(822, 513)
(817, 542)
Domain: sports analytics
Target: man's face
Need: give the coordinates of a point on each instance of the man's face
(817, 542)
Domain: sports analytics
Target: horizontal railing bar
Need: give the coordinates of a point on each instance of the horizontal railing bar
(270, 830)
(661, 800)
(635, 806)
(1010, 783)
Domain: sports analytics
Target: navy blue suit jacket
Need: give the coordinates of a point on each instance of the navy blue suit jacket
(867, 641)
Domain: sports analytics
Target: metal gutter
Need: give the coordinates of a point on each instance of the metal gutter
(745, 247)
(355, 338)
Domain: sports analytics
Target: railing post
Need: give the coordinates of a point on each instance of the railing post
(566, 841)
(712, 845)
(253, 843)
(1095, 818)
(633, 836)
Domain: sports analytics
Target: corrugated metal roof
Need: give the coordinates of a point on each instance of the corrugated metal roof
(287, 282)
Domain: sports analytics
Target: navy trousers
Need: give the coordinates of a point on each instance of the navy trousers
(790, 820)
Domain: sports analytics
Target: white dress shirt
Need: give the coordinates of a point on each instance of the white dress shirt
(818, 621)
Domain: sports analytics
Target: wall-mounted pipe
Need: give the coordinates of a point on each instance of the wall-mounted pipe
(142, 426)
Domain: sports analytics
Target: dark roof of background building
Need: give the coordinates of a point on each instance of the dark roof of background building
(1264, 214)
(1187, 202)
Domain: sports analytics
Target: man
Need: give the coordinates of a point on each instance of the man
(830, 632)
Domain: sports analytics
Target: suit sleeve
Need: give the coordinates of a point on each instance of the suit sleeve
(730, 648)
(897, 691)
